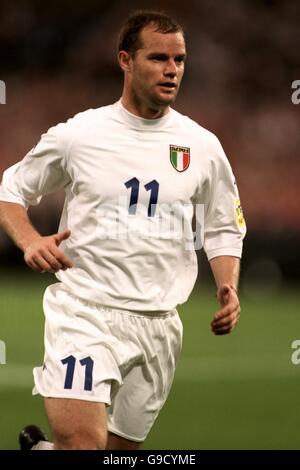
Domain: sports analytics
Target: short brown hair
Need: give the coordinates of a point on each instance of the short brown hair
(129, 38)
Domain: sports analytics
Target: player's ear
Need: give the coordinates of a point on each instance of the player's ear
(125, 61)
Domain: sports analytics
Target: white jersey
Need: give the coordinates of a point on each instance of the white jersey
(130, 184)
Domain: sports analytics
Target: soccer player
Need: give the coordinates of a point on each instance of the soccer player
(131, 172)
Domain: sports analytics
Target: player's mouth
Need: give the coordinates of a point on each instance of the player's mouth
(168, 85)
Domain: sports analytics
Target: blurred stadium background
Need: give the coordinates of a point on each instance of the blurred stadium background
(59, 58)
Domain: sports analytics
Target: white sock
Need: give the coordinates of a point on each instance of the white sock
(43, 445)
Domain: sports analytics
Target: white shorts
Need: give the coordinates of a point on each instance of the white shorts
(124, 359)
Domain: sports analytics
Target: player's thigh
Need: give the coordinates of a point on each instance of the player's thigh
(115, 442)
(76, 423)
(136, 404)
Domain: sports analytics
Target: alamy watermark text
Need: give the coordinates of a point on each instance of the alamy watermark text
(296, 94)
(2, 352)
(2, 92)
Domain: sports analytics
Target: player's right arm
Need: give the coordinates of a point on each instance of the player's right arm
(41, 253)
(42, 171)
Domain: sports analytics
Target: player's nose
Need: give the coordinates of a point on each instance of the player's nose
(171, 69)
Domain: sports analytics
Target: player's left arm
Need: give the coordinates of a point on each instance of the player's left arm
(226, 271)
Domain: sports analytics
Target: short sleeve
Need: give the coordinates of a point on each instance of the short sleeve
(224, 224)
(42, 171)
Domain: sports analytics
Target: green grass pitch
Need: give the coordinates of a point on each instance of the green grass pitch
(235, 392)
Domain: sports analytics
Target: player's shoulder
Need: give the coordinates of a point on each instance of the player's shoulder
(88, 116)
(81, 122)
(204, 137)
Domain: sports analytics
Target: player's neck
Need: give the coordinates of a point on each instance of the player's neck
(142, 110)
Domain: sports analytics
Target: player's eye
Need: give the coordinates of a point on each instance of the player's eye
(158, 58)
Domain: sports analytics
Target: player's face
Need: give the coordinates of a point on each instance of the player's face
(157, 68)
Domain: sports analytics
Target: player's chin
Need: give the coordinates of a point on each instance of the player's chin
(166, 100)
(167, 96)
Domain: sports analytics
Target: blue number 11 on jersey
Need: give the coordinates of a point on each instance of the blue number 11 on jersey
(152, 186)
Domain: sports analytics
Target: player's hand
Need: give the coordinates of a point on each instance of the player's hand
(226, 319)
(43, 254)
